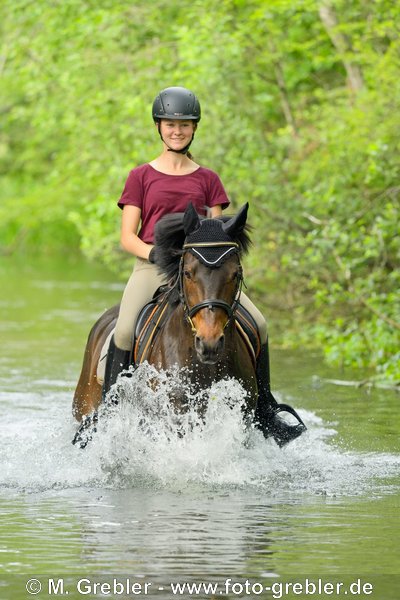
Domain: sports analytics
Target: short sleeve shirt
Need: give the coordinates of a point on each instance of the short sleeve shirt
(157, 194)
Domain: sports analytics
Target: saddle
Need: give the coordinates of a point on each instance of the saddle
(154, 314)
(150, 320)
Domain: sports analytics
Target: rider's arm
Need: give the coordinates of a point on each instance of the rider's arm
(216, 211)
(130, 241)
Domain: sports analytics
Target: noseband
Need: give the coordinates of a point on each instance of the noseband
(220, 252)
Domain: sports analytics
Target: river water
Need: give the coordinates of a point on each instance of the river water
(138, 511)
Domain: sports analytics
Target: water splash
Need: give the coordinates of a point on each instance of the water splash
(144, 442)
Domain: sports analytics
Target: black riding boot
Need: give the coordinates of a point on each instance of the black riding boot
(117, 360)
(268, 409)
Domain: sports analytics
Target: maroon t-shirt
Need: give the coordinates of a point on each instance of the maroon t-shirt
(158, 194)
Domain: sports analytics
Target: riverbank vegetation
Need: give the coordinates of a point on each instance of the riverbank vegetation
(300, 118)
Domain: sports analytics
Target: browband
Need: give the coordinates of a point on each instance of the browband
(210, 244)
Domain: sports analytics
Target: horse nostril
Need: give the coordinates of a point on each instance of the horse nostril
(208, 350)
(221, 342)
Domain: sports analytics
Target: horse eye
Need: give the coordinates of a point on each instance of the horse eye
(187, 274)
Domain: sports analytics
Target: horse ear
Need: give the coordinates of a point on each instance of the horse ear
(191, 220)
(235, 226)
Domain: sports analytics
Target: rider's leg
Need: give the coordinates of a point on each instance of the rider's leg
(267, 410)
(139, 290)
(117, 361)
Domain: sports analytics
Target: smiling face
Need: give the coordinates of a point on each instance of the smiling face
(177, 133)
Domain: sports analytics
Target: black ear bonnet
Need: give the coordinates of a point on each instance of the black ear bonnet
(210, 244)
(212, 241)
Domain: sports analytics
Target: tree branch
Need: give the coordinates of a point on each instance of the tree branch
(342, 45)
(372, 382)
(3, 57)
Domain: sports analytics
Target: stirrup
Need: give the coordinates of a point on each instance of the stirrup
(283, 432)
(287, 408)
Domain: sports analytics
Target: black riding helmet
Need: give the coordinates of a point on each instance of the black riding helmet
(176, 103)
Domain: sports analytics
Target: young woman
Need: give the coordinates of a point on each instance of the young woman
(165, 185)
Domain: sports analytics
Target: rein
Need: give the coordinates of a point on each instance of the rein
(210, 303)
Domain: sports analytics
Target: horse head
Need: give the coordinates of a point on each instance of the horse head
(210, 278)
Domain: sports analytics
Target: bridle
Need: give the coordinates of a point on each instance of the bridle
(210, 303)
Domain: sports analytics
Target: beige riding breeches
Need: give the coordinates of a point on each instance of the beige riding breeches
(141, 286)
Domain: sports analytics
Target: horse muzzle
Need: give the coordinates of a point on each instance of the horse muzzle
(209, 351)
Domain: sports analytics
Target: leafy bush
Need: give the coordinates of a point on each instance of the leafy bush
(300, 103)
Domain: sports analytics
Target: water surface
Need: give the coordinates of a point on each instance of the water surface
(214, 505)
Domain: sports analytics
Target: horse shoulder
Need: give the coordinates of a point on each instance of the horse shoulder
(173, 344)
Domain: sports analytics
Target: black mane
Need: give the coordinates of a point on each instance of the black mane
(170, 237)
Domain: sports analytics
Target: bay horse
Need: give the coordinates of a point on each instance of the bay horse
(201, 259)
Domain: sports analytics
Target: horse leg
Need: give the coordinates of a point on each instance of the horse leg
(86, 429)
(88, 392)
(87, 395)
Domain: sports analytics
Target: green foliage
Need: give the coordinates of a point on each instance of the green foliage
(300, 107)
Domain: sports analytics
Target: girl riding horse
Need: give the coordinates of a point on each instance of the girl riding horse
(167, 185)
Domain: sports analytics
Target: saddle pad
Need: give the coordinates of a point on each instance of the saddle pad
(101, 365)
